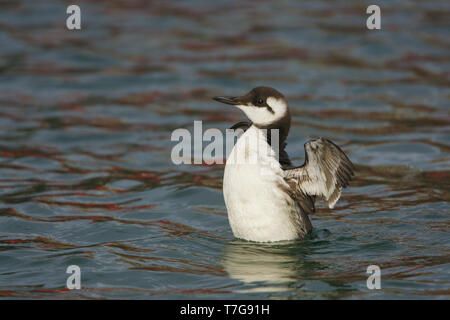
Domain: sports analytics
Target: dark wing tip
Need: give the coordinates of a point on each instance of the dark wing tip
(342, 154)
(345, 168)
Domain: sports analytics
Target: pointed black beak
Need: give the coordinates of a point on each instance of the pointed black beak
(228, 100)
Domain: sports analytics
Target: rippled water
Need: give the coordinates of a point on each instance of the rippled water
(86, 176)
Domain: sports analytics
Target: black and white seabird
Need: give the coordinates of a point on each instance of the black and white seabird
(273, 207)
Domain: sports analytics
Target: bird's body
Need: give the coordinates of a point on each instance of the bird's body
(256, 194)
(267, 198)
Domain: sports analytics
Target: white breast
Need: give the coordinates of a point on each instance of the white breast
(255, 193)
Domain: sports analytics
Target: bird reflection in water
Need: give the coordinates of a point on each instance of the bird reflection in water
(267, 267)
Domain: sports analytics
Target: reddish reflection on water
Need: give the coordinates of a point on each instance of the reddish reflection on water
(85, 170)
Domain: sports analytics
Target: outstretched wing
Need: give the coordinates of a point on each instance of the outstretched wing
(325, 172)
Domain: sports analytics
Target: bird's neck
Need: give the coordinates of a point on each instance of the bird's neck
(283, 125)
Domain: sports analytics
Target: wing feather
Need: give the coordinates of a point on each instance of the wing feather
(326, 171)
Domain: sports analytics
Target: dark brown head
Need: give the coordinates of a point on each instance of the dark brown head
(265, 107)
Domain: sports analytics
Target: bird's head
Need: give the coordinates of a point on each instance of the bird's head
(264, 106)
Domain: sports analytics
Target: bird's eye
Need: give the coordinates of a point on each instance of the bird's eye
(260, 101)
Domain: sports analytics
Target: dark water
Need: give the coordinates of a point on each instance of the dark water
(86, 176)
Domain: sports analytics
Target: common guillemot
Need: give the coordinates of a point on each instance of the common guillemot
(275, 207)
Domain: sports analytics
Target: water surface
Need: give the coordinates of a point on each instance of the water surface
(86, 176)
